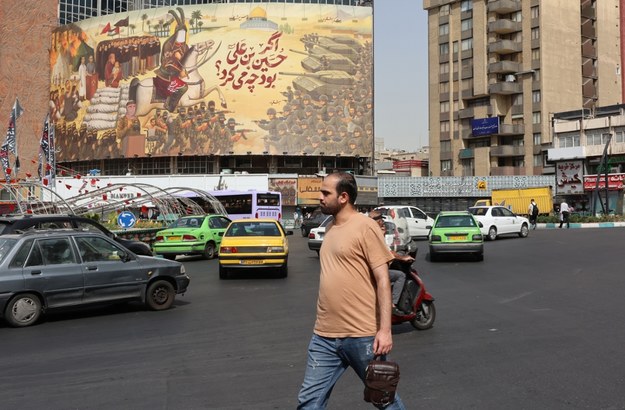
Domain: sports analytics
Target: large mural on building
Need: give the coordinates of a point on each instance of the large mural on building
(276, 79)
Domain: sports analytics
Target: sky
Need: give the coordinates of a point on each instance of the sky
(400, 74)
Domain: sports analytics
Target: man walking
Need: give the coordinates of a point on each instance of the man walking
(354, 304)
(564, 214)
(532, 212)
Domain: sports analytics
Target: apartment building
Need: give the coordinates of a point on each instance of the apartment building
(499, 69)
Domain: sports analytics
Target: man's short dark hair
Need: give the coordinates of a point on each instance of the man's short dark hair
(346, 183)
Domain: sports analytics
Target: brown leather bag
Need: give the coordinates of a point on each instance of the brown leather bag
(381, 379)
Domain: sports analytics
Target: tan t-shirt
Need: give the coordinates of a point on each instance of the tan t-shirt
(347, 304)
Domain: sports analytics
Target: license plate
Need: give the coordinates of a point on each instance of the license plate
(253, 262)
(457, 237)
(173, 238)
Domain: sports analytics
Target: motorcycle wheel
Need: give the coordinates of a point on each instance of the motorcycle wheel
(425, 316)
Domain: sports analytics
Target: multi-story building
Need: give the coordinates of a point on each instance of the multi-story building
(498, 69)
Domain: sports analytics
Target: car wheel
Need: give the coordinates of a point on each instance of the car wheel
(209, 250)
(160, 295)
(283, 271)
(525, 230)
(23, 310)
(170, 257)
(425, 316)
(492, 233)
(223, 272)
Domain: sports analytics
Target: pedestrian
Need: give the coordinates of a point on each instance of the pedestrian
(532, 212)
(354, 304)
(564, 214)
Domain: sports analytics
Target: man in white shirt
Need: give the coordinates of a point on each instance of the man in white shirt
(564, 214)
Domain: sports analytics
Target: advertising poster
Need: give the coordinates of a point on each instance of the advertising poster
(287, 187)
(308, 191)
(569, 177)
(221, 79)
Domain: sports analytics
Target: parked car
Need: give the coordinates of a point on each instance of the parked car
(455, 232)
(42, 270)
(499, 220)
(254, 244)
(21, 223)
(315, 219)
(315, 237)
(416, 219)
(191, 235)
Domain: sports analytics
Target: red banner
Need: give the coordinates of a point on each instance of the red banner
(615, 182)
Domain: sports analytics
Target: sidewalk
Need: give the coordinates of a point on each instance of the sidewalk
(582, 225)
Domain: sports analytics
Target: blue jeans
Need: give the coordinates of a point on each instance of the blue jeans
(328, 358)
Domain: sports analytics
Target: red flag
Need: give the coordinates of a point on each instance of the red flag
(106, 29)
(104, 197)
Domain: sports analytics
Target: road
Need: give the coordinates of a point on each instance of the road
(537, 325)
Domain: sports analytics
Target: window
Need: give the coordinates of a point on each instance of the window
(568, 140)
(516, 16)
(517, 99)
(537, 139)
(518, 162)
(535, 33)
(56, 251)
(538, 160)
(445, 146)
(536, 118)
(467, 84)
(94, 249)
(536, 96)
(443, 29)
(446, 165)
(443, 49)
(597, 137)
(535, 12)
(445, 106)
(466, 24)
(444, 10)
(467, 44)
(619, 135)
(444, 68)
(455, 47)
(466, 5)
(444, 126)
(467, 64)
(444, 87)
(536, 54)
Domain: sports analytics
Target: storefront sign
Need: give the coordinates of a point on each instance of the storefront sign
(569, 177)
(308, 191)
(615, 181)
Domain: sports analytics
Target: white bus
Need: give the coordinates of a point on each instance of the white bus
(251, 204)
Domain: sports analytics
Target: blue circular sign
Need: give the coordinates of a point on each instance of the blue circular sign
(126, 219)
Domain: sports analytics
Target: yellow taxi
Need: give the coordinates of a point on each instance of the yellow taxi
(254, 244)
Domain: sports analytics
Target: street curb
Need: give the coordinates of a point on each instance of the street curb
(582, 225)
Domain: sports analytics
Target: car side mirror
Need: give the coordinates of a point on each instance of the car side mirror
(125, 257)
(480, 224)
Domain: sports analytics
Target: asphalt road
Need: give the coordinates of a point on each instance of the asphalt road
(538, 325)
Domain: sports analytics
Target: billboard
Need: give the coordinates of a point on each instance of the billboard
(221, 79)
(484, 126)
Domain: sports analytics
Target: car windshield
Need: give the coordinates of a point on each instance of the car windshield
(253, 229)
(6, 244)
(454, 221)
(478, 211)
(188, 222)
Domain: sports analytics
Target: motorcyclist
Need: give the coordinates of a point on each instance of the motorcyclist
(398, 278)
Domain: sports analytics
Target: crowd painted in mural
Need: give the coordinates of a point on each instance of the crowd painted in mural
(213, 85)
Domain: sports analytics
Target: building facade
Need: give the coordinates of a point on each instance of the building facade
(498, 69)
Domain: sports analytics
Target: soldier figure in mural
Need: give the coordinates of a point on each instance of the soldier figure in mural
(169, 76)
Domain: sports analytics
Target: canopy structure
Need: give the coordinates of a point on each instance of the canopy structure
(170, 202)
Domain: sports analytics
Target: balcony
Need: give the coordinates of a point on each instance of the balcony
(495, 171)
(504, 67)
(466, 113)
(504, 26)
(504, 6)
(511, 129)
(505, 88)
(505, 47)
(466, 153)
(507, 151)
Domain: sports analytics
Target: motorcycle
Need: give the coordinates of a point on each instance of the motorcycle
(415, 301)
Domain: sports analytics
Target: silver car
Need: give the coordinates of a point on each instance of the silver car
(42, 270)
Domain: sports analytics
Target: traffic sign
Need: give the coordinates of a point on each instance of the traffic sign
(126, 219)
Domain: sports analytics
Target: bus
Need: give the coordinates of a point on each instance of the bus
(251, 204)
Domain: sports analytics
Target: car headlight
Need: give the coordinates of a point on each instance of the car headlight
(182, 270)
(276, 249)
(477, 237)
(435, 238)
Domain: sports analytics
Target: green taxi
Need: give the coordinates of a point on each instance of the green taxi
(455, 232)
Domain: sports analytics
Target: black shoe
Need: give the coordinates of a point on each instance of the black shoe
(398, 312)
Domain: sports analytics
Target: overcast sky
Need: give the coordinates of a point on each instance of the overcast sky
(401, 93)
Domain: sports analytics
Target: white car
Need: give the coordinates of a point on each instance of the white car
(417, 220)
(315, 236)
(499, 220)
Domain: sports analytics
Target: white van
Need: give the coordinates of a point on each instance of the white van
(417, 219)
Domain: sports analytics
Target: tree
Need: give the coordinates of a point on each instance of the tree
(196, 16)
(144, 18)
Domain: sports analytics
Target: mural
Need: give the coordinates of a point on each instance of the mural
(214, 79)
